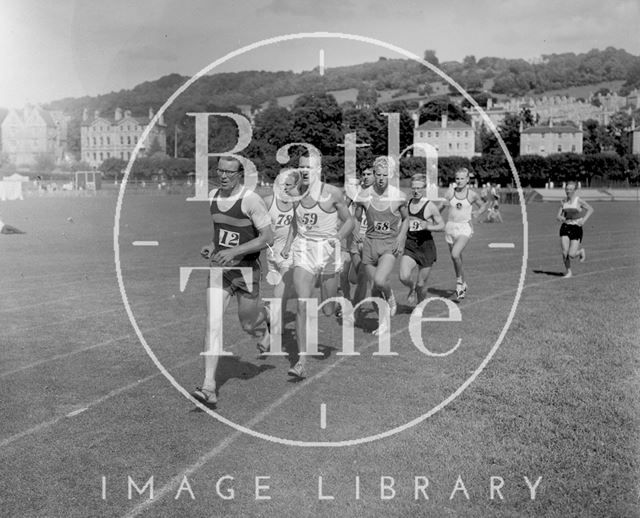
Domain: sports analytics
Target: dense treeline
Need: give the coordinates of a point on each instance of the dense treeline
(508, 76)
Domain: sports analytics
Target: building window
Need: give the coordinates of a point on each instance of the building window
(573, 147)
(108, 141)
(466, 133)
(135, 139)
(94, 156)
(559, 148)
(450, 145)
(101, 141)
(421, 134)
(541, 149)
(428, 134)
(437, 134)
(457, 145)
(101, 155)
(121, 139)
(108, 154)
(128, 140)
(94, 141)
(121, 155)
(542, 135)
(457, 134)
(528, 148)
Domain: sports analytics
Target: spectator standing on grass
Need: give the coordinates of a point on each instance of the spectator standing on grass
(573, 218)
(241, 228)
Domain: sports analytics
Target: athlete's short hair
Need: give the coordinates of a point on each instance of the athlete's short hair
(385, 161)
(419, 177)
(232, 159)
(463, 170)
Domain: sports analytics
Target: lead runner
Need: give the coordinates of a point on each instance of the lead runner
(241, 228)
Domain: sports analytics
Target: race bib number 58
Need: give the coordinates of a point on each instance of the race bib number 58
(382, 226)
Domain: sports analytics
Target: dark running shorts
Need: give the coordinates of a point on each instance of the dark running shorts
(233, 281)
(424, 254)
(573, 232)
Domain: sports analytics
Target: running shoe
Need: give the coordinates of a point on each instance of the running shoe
(205, 396)
(412, 298)
(461, 290)
(298, 371)
(264, 345)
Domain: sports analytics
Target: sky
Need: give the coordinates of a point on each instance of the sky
(52, 50)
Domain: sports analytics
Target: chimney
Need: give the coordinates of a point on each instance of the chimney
(85, 115)
(550, 122)
(443, 120)
(150, 113)
(580, 125)
(415, 118)
(127, 113)
(118, 114)
(521, 126)
(489, 103)
(633, 124)
(161, 120)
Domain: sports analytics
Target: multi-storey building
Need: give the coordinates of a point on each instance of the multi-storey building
(546, 140)
(103, 137)
(34, 131)
(450, 138)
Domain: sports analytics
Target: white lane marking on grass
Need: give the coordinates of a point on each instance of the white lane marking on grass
(145, 243)
(175, 482)
(114, 392)
(502, 245)
(41, 303)
(321, 59)
(76, 412)
(323, 416)
(91, 347)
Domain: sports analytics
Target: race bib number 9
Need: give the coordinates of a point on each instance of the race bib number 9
(382, 226)
(415, 225)
(228, 239)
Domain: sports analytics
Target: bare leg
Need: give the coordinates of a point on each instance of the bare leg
(564, 244)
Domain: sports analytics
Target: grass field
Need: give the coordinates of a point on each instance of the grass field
(81, 399)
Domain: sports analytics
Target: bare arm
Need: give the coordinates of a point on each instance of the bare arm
(402, 233)
(438, 221)
(560, 217)
(344, 214)
(588, 208)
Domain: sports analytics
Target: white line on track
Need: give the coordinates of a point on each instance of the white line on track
(145, 243)
(76, 412)
(91, 347)
(323, 416)
(175, 482)
(502, 245)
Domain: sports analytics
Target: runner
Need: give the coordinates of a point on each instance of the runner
(358, 274)
(314, 244)
(387, 223)
(458, 230)
(280, 271)
(419, 249)
(572, 218)
(240, 230)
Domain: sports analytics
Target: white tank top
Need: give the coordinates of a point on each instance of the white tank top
(280, 223)
(459, 209)
(314, 222)
(571, 209)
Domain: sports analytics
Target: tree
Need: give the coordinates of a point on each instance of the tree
(430, 57)
(273, 126)
(510, 132)
(44, 163)
(434, 109)
(317, 120)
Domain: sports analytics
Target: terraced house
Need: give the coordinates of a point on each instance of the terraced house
(104, 137)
